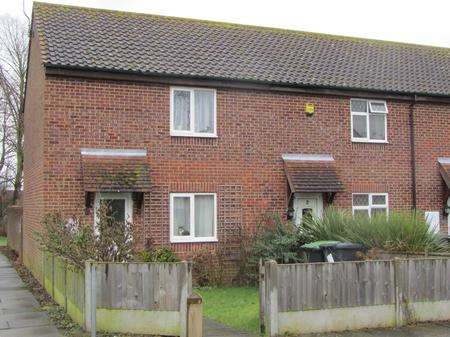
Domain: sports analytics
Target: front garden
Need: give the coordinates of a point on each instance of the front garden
(234, 301)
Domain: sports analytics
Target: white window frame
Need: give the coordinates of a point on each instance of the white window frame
(371, 206)
(191, 132)
(114, 196)
(367, 139)
(192, 237)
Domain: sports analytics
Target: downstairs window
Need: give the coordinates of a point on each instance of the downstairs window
(370, 204)
(193, 217)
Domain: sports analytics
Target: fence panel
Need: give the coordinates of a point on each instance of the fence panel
(323, 297)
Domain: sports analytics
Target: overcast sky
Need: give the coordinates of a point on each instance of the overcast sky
(414, 21)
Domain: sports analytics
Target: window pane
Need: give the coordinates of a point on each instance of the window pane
(181, 216)
(204, 111)
(359, 126)
(181, 110)
(377, 126)
(204, 215)
(361, 213)
(360, 200)
(115, 208)
(358, 105)
(378, 107)
(378, 212)
(378, 199)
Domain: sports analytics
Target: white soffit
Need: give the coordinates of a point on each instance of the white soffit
(113, 152)
(307, 157)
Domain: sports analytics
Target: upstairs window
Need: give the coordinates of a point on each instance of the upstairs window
(193, 217)
(370, 204)
(368, 120)
(192, 112)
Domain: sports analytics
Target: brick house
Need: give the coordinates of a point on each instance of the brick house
(194, 128)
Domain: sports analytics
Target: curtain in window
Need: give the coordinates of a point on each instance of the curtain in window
(204, 216)
(181, 216)
(204, 111)
(377, 126)
(181, 110)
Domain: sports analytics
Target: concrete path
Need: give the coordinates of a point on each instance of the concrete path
(19, 310)
(214, 329)
(441, 329)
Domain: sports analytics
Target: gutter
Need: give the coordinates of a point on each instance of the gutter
(412, 140)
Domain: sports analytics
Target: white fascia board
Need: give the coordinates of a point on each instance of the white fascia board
(114, 152)
(307, 157)
(443, 160)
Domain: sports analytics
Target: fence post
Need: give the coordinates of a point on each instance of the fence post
(398, 293)
(186, 289)
(271, 298)
(87, 295)
(194, 316)
(262, 297)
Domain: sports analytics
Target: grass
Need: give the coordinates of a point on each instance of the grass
(237, 307)
(3, 240)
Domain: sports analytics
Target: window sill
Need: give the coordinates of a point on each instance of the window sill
(193, 135)
(366, 141)
(193, 240)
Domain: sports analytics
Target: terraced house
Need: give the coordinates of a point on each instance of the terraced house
(194, 128)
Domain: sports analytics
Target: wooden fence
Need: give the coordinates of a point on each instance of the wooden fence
(323, 297)
(141, 298)
(14, 228)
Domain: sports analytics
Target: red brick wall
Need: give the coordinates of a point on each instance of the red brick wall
(432, 125)
(33, 174)
(243, 165)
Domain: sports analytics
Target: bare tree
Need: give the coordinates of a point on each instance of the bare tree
(13, 67)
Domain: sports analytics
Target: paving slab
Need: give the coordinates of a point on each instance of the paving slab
(214, 329)
(20, 315)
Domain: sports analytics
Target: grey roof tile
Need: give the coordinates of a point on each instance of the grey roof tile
(149, 44)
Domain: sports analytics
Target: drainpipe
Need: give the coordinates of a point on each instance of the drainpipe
(412, 140)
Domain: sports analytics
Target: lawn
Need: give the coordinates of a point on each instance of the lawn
(237, 307)
(2, 241)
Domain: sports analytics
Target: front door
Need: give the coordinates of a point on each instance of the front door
(307, 205)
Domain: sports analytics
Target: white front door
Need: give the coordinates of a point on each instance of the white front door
(307, 204)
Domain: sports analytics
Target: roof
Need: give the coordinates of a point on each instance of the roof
(97, 39)
(444, 168)
(115, 174)
(312, 175)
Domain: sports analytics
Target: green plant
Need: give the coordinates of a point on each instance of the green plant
(406, 232)
(277, 240)
(207, 268)
(109, 240)
(163, 254)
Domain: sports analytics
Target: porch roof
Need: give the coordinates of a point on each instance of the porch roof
(115, 173)
(307, 174)
(444, 168)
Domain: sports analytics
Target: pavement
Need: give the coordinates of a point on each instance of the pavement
(214, 329)
(441, 329)
(19, 311)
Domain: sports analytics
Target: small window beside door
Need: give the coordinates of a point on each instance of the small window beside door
(193, 217)
(119, 205)
(368, 120)
(370, 204)
(192, 112)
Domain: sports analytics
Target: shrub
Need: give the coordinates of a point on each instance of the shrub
(207, 268)
(406, 232)
(163, 254)
(277, 240)
(110, 240)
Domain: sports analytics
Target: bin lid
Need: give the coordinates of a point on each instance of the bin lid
(317, 244)
(349, 245)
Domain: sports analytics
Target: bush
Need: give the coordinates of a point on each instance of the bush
(110, 240)
(277, 240)
(405, 232)
(163, 254)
